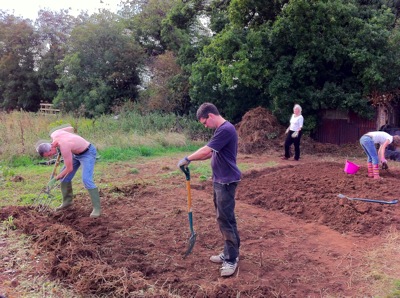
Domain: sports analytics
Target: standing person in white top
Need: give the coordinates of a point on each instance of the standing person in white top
(294, 133)
(368, 142)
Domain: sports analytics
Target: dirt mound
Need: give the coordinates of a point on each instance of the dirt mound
(259, 131)
(299, 239)
(314, 196)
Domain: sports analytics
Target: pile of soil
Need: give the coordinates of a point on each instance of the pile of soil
(260, 132)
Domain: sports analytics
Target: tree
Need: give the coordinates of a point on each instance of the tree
(101, 69)
(18, 81)
(167, 89)
(232, 71)
(329, 55)
(253, 13)
(54, 29)
(144, 19)
(323, 54)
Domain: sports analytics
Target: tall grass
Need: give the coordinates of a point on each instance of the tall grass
(129, 134)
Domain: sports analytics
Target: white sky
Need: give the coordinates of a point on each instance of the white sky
(29, 8)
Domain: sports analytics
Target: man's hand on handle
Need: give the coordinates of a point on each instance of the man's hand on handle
(184, 162)
(52, 182)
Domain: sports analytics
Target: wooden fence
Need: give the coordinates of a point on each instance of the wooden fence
(47, 108)
(338, 131)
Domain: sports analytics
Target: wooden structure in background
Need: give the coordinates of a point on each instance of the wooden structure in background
(341, 127)
(47, 108)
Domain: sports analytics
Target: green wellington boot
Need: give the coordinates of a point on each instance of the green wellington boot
(66, 191)
(95, 197)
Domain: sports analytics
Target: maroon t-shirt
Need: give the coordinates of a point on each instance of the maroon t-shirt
(224, 144)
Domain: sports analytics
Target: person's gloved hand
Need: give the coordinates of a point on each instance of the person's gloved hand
(295, 134)
(184, 162)
(52, 182)
(287, 130)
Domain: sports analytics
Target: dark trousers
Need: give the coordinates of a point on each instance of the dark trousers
(296, 142)
(224, 202)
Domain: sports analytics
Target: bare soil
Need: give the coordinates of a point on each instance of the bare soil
(298, 239)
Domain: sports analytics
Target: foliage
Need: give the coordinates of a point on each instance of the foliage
(101, 69)
(322, 64)
(228, 72)
(184, 34)
(9, 224)
(238, 54)
(54, 29)
(254, 13)
(167, 91)
(321, 54)
(144, 19)
(216, 11)
(18, 81)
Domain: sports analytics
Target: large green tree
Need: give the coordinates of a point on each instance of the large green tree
(185, 33)
(18, 48)
(144, 18)
(331, 54)
(233, 71)
(101, 68)
(319, 53)
(253, 13)
(54, 29)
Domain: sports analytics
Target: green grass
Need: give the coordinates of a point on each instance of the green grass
(395, 293)
(245, 167)
(113, 154)
(131, 135)
(22, 183)
(203, 169)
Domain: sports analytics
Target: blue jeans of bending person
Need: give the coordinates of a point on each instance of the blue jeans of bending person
(369, 148)
(87, 160)
(224, 202)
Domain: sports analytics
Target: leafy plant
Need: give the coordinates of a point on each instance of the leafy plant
(9, 224)
(134, 171)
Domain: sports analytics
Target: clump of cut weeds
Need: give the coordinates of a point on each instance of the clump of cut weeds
(9, 224)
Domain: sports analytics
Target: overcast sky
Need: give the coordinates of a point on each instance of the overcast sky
(30, 8)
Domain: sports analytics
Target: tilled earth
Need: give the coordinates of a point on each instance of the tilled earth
(298, 239)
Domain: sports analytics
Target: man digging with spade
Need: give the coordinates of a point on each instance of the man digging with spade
(76, 151)
(222, 149)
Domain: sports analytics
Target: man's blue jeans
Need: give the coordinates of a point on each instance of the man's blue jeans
(369, 148)
(224, 202)
(87, 160)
